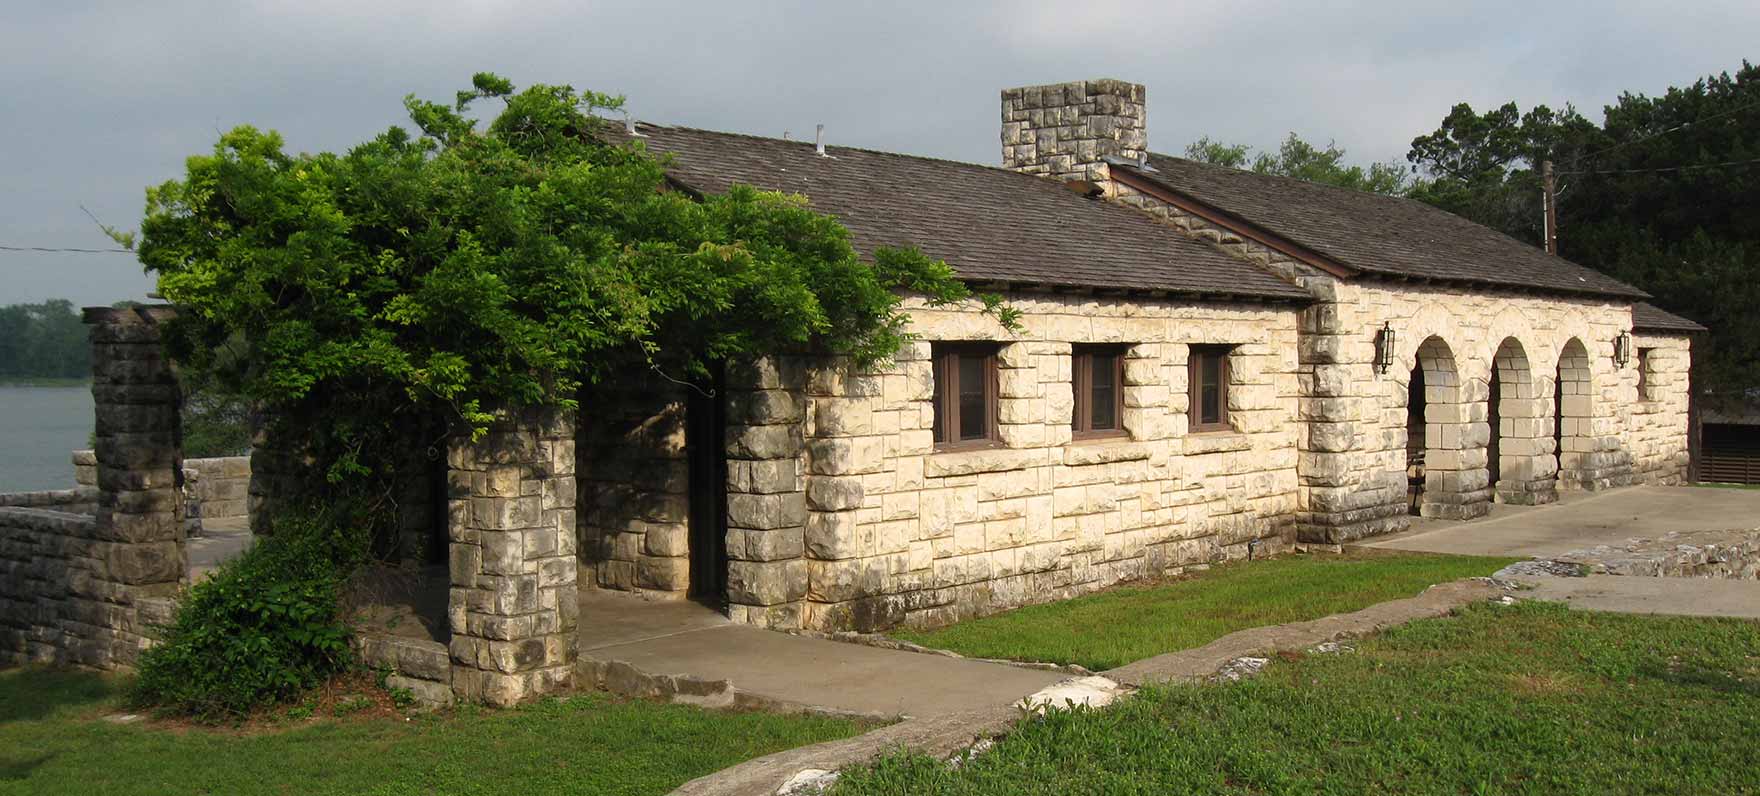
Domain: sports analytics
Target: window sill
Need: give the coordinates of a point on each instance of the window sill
(1221, 441)
(1101, 450)
(970, 461)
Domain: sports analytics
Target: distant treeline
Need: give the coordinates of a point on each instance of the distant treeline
(43, 341)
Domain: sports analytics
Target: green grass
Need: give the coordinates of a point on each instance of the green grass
(53, 740)
(1129, 623)
(1721, 485)
(1531, 699)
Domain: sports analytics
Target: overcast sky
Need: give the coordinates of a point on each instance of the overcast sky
(102, 99)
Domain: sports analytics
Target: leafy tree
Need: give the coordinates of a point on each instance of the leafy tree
(441, 274)
(1664, 194)
(46, 340)
(1299, 159)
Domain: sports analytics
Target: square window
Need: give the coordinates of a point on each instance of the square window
(1097, 374)
(965, 394)
(1207, 380)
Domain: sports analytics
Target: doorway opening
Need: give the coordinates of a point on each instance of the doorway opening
(706, 451)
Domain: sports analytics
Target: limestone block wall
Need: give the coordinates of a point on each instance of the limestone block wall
(79, 500)
(767, 495)
(1659, 425)
(84, 588)
(898, 532)
(513, 605)
(1530, 336)
(634, 478)
(221, 487)
(1353, 451)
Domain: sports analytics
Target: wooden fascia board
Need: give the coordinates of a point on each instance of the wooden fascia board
(1232, 223)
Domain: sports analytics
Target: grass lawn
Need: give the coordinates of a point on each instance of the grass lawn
(53, 740)
(1531, 699)
(1129, 623)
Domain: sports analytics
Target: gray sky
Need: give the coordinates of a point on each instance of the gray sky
(102, 99)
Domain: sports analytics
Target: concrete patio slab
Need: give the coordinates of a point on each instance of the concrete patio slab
(1582, 519)
(685, 639)
(1632, 594)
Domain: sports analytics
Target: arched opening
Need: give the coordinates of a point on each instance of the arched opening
(1572, 408)
(1518, 455)
(1443, 460)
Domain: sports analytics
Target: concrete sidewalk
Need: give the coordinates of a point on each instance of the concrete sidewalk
(1582, 519)
(1636, 594)
(690, 640)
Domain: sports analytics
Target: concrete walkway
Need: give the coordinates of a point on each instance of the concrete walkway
(1637, 594)
(1582, 519)
(690, 640)
(221, 541)
(1586, 519)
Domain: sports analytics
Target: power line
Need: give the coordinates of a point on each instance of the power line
(64, 249)
(1681, 126)
(1669, 168)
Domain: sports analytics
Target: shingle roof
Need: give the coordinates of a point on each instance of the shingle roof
(1382, 235)
(988, 223)
(1648, 317)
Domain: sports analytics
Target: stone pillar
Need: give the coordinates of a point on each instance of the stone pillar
(510, 521)
(766, 497)
(1343, 500)
(137, 558)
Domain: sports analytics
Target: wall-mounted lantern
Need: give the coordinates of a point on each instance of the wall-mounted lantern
(1384, 342)
(1622, 349)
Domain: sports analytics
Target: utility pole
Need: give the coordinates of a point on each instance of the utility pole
(1549, 194)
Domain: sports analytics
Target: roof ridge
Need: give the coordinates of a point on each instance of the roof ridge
(828, 147)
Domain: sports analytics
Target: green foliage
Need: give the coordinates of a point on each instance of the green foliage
(1299, 159)
(442, 274)
(215, 424)
(1655, 195)
(43, 341)
(262, 629)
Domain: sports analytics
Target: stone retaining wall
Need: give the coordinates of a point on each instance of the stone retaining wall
(67, 598)
(221, 486)
(1734, 555)
(83, 500)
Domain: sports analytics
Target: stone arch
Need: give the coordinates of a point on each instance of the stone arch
(1445, 449)
(1519, 460)
(1573, 411)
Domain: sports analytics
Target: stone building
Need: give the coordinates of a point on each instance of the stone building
(1211, 364)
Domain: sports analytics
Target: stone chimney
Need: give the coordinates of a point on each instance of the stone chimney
(1067, 130)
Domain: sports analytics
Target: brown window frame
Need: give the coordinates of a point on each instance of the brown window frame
(1082, 383)
(944, 359)
(1194, 411)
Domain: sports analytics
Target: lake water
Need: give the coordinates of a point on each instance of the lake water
(39, 428)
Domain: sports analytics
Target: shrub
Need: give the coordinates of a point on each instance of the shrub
(262, 629)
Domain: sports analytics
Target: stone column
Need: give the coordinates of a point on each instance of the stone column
(1344, 501)
(137, 559)
(510, 521)
(766, 498)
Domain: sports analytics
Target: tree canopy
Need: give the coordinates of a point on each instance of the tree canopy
(1304, 161)
(45, 340)
(464, 267)
(1663, 194)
